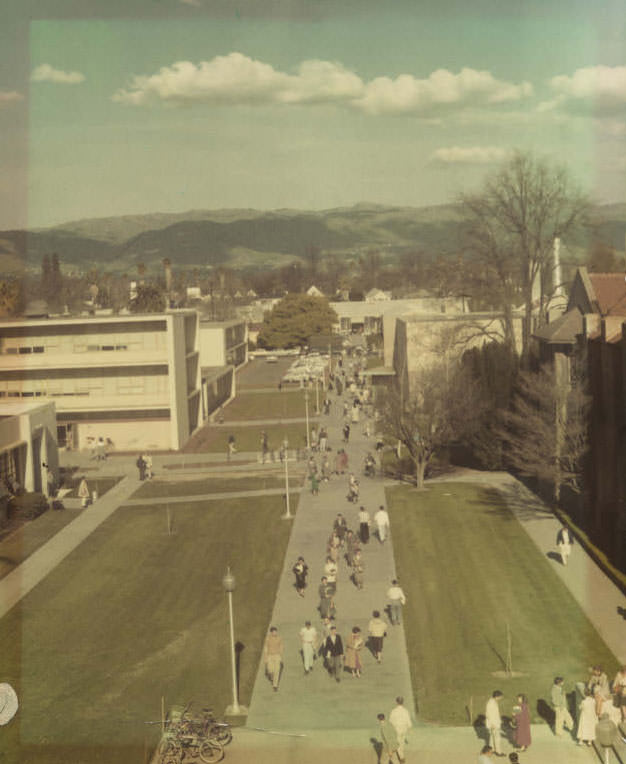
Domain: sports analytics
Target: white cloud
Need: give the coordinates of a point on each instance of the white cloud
(46, 73)
(468, 155)
(10, 96)
(601, 89)
(409, 95)
(238, 79)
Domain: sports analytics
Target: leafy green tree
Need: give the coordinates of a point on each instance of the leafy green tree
(11, 297)
(294, 319)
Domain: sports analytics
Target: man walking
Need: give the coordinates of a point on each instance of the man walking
(377, 630)
(396, 598)
(389, 738)
(273, 655)
(400, 720)
(494, 722)
(381, 518)
(308, 638)
(564, 543)
(326, 598)
(562, 716)
(334, 653)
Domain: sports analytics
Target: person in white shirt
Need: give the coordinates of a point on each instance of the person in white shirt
(396, 598)
(494, 722)
(381, 518)
(309, 640)
(400, 720)
(564, 542)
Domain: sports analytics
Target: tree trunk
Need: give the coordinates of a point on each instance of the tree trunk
(420, 469)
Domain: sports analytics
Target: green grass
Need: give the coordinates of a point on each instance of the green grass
(162, 488)
(134, 614)
(469, 569)
(20, 544)
(215, 440)
(283, 405)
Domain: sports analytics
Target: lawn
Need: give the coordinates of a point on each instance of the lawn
(28, 537)
(283, 405)
(162, 488)
(215, 439)
(133, 615)
(99, 484)
(468, 569)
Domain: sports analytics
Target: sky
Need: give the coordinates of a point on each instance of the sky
(113, 108)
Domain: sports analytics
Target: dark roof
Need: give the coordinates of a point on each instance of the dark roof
(610, 292)
(563, 330)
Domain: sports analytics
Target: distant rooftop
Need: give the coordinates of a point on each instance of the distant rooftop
(610, 292)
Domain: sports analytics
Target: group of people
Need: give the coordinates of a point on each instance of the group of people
(603, 704)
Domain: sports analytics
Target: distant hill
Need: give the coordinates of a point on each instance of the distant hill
(252, 238)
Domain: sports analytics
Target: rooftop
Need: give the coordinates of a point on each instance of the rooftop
(610, 292)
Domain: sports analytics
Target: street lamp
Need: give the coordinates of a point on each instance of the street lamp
(317, 396)
(287, 515)
(229, 587)
(306, 408)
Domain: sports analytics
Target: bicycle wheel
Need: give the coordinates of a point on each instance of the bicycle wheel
(169, 752)
(221, 733)
(211, 751)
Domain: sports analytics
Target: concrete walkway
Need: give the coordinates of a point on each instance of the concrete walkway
(594, 591)
(316, 701)
(35, 568)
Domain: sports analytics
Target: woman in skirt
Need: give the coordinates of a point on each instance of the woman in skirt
(354, 645)
(300, 570)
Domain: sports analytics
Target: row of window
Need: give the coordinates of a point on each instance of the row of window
(153, 385)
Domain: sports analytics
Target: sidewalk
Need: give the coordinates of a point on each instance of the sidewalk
(316, 701)
(596, 594)
(35, 568)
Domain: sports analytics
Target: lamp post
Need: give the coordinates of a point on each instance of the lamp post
(287, 515)
(317, 396)
(229, 587)
(306, 408)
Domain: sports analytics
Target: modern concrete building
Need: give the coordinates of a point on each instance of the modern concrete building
(223, 343)
(28, 444)
(134, 378)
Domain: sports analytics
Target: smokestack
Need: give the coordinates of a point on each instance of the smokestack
(558, 278)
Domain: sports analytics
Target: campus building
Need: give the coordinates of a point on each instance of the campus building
(132, 378)
(28, 444)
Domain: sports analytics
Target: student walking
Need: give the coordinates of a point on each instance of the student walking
(388, 737)
(564, 541)
(300, 570)
(141, 466)
(493, 721)
(364, 525)
(357, 570)
(334, 653)
(396, 599)
(309, 642)
(354, 645)
(326, 606)
(562, 716)
(377, 630)
(381, 518)
(521, 722)
(83, 492)
(400, 720)
(273, 655)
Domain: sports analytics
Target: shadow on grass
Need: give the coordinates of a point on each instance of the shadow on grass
(621, 611)
(546, 712)
(512, 499)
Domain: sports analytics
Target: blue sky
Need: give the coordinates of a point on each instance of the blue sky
(169, 105)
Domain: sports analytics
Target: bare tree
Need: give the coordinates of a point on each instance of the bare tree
(514, 220)
(545, 431)
(439, 409)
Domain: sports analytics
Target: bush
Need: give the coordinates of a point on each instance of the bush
(28, 506)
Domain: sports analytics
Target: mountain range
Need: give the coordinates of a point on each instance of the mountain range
(248, 238)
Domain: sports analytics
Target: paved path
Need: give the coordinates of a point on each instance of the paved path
(594, 591)
(316, 701)
(22, 579)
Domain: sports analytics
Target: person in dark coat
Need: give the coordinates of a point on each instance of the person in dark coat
(300, 570)
(141, 466)
(521, 719)
(333, 650)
